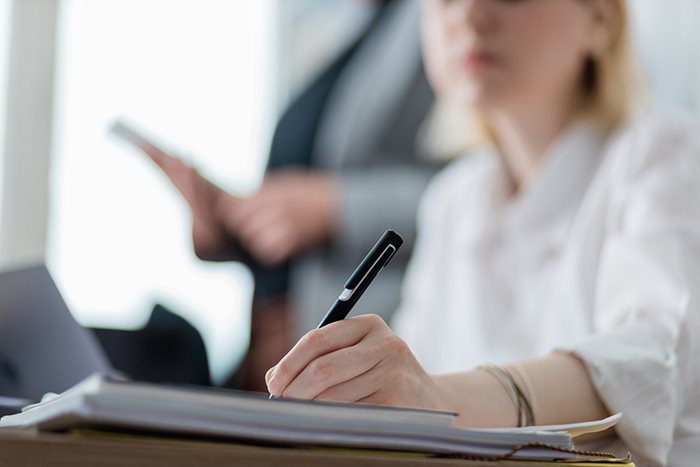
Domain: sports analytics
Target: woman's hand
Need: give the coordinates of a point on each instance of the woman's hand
(355, 360)
(361, 360)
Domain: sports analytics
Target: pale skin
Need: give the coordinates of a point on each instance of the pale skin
(518, 62)
(293, 210)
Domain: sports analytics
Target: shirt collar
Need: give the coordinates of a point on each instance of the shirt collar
(551, 198)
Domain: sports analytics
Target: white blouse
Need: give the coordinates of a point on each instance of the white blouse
(599, 255)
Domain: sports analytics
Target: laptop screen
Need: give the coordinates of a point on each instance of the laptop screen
(42, 348)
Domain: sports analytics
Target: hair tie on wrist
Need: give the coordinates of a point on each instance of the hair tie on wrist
(522, 405)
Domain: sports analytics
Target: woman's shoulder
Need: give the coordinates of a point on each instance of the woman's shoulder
(654, 142)
(652, 170)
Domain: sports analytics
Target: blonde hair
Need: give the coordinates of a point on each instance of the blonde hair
(611, 82)
(612, 92)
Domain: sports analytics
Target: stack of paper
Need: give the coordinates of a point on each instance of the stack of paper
(100, 402)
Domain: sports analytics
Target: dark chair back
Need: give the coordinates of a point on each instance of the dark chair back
(167, 350)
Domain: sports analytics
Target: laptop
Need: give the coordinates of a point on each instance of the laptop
(42, 348)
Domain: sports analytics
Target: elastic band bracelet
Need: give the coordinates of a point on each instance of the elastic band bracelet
(531, 396)
(522, 405)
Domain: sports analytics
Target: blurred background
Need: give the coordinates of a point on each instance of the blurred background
(207, 79)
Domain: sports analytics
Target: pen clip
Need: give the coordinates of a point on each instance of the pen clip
(390, 238)
(378, 264)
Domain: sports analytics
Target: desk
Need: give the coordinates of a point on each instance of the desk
(29, 449)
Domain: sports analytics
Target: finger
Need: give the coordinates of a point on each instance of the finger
(376, 398)
(205, 192)
(268, 374)
(170, 164)
(180, 175)
(389, 395)
(226, 204)
(153, 153)
(314, 344)
(268, 218)
(274, 244)
(157, 155)
(384, 393)
(356, 389)
(269, 240)
(333, 369)
(251, 208)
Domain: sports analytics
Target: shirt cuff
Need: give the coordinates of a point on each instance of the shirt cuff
(635, 371)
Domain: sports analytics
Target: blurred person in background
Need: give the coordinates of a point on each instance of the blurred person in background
(564, 247)
(345, 164)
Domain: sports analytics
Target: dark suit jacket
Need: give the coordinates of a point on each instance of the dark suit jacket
(382, 180)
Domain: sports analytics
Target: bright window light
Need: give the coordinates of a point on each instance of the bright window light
(196, 74)
(5, 12)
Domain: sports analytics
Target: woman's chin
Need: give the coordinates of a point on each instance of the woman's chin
(476, 97)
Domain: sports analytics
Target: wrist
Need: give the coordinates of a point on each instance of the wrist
(441, 395)
(479, 399)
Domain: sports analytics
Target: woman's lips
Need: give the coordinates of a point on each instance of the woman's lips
(477, 60)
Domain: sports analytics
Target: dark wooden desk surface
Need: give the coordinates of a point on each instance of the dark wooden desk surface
(29, 448)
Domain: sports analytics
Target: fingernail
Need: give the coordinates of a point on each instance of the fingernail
(272, 387)
(268, 375)
(272, 382)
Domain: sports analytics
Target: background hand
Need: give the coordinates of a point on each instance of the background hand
(293, 210)
(209, 235)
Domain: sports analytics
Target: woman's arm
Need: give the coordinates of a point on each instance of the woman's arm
(362, 360)
(562, 387)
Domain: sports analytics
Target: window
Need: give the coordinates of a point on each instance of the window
(196, 75)
(312, 33)
(5, 12)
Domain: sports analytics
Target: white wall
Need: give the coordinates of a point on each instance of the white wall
(667, 38)
(5, 13)
(28, 131)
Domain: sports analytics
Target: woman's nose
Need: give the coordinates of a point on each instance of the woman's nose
(474, 14)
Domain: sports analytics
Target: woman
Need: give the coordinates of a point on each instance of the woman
(570, 244)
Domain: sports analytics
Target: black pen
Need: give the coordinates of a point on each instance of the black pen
(376, 259)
